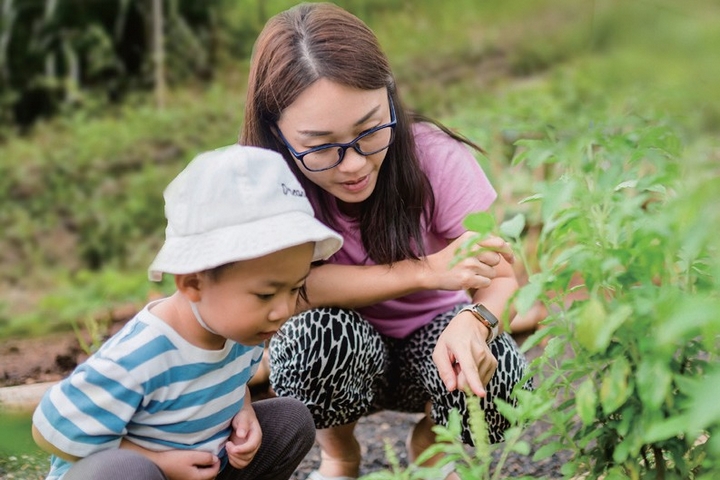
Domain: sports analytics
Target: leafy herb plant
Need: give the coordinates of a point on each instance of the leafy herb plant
(626, 266)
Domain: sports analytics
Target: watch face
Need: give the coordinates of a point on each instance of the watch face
(485, 313)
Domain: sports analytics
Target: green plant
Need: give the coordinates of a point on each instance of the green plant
(96, 331)
(628, 269)
(471, 463)
(627, 266)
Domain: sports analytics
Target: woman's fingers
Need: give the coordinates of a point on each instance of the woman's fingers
(472, 272)
(486, 368)
(445, 363)
(469, 378)
(490, 258)
(471, 368)
(499, 246)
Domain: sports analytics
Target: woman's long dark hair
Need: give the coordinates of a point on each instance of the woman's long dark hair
(320, 40)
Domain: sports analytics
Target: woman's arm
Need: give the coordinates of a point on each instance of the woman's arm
(353, 286)
(462, 354)
(496, 297)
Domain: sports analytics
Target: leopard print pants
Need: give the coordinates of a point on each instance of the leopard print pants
(342, 369)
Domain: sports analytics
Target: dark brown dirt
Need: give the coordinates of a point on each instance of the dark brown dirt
(48, 358)
(25, 361)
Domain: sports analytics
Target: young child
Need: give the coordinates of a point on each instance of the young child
(166, 397)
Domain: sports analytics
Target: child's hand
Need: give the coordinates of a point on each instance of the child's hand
(245, 438)
(181, 464)
(189, 465)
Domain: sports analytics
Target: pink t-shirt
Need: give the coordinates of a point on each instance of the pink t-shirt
(460, 187)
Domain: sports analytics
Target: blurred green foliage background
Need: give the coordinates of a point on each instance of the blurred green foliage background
(81, 182)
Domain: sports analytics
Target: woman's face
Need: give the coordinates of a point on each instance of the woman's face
(328, 112)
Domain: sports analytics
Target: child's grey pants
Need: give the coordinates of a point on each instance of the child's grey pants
(288, 434)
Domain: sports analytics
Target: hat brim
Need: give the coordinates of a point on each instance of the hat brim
(196, 253)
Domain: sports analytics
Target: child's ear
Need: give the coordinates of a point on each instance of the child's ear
(190, 285)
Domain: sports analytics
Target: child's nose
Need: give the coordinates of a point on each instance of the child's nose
(283, 309)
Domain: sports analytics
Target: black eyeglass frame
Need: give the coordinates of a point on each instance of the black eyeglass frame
(342, 147)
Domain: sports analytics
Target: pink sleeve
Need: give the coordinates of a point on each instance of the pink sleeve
(459, 184)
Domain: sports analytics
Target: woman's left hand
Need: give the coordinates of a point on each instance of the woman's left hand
(463, 357)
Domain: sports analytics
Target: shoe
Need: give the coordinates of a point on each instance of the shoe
(315, 475)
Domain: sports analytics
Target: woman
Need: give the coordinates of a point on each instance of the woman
(384, 326)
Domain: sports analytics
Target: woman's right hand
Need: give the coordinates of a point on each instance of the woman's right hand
(470, 273)
(356, 286)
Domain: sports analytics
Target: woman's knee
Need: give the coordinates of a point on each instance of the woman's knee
(324, 341)
(331, 360)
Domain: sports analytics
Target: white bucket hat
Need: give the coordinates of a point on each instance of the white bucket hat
(236, 203)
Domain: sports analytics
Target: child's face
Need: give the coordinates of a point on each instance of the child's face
(328, 112)
(252, 299)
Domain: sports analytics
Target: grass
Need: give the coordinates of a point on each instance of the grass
(20, 458)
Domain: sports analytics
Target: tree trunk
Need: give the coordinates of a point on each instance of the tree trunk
(159, 53)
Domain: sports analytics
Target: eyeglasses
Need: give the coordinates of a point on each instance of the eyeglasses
(329, 155)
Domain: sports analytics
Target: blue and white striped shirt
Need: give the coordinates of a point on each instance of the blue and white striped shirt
(151, 386)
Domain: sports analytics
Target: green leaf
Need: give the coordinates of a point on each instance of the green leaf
(623, 426)
(556, 197)
(687, 319)
(662, 430)
(526, 297)
(569, 470)
(653, 382)
(522, 447)
(480, 222)
(613, 321)
(590, 324)
(615, 388)
(626, 184)
(514, 227)
(555, 347)
(531, 198)
(704, 407)
(616, 473)
(548, 450)
(586, 401)
(622, 451)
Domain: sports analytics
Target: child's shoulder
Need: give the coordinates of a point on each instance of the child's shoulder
(137, 331)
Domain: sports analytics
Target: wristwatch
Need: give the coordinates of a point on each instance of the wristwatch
(486, 318)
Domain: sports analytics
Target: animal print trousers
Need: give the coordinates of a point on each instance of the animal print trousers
(341, 368)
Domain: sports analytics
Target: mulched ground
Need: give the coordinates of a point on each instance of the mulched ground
(373, 431)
